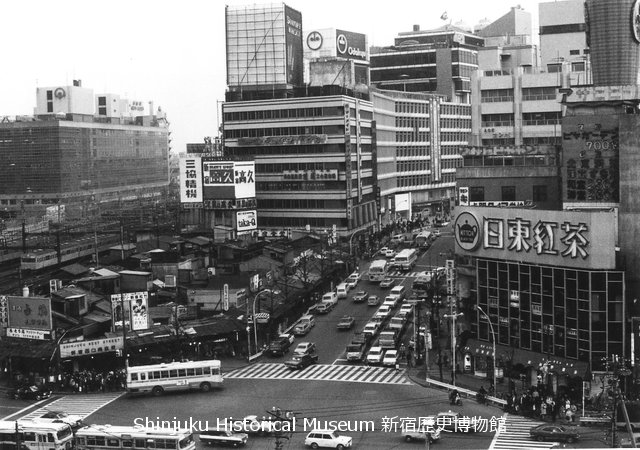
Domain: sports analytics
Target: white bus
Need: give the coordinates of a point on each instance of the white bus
(406, 259)
(108, 437)
(378, 270)
(37, 435)
(157, 378)
(423, 239)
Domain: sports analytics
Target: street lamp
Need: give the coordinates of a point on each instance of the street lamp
(493, 335)
(255, 323)
(453, 318)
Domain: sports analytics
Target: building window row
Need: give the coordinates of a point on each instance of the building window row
(412, 107)
(298, 186)
(417, 150)
(403, 59)
(496, 95)
(294, 203)
(497, 120)
(404, 73)
(413, 180)
(412, 136)
(281, 167)
(455, 109)
(464, 55)
(539, 193)
(542, 140)
(456, 123)
(462, 70)
(301, 222)
(412, 122)
(506, 160)
(454, 136)
(412, 166)
(542, 118)
(286, 131)
(539, 93)
(292, 113)
(499, 142)
(450, 150)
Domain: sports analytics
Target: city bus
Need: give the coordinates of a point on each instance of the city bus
(175, 376)
(37, 435)
(423, 239)
(378, 270)
(406, 259)
(103, 437)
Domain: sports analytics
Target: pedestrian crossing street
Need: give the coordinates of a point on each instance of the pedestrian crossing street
(323, 372)
(516, 435)
(78, 404)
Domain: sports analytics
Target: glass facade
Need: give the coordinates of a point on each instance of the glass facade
(567, 313)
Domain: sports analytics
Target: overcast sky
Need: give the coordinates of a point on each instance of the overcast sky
(173, 52)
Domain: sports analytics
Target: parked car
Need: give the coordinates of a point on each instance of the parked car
(346, 323)
(391, 300)
(359, 338)
(373, 300)
(323, 308)
(304, 348)
(330, 297)
(299, 361)
(387, 283)
(391, 358)
(360, 296)
(384, 311)
(427, 429)
(304, 325)
(74, 421)
(554, 433)
(30, 392)
(288, 336)
(342, 291)
(279, 346)
(375, 355)
(327, 438)
(389, 253)
(383, 251)
(406, 309)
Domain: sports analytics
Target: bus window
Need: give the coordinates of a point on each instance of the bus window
(151, 443)
(134, 377)
(182, 373)
(143, 376)
(29, 437)
(206, 370)
(127, 443)
(139, 443)
(173, 373)
(165, 373)
(113, 443)
(215, 371)
(51, 437)
(191, 372)
(156, 375)
(198, 370)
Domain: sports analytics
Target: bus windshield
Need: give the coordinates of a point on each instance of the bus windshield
(64, 433)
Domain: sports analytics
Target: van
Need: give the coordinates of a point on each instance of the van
(398, 238)
(399, 291)
(304, 325)
(342, 290)
(330, 297)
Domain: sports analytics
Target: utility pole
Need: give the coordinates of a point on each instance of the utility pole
(18, 446)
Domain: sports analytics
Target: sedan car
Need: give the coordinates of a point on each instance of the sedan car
(30, 393)
(323, 308)
(304, 348)
(360, 296)
(390, 358)
(72, 420)
(389, 253)
(346, 323)
(373, 300)
(299, 361)
(387, 283)
(554, 433)
(375, 355)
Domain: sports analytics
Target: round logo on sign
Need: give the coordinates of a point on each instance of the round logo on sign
(635, 20)
(314, 40)
(59, 93)
(341, 43)
(467, 231)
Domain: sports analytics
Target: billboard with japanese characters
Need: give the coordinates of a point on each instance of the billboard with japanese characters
(228, 179)
(190, 179)
(578, 239)
(32, 313)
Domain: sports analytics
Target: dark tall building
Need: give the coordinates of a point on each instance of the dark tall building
(613, 35)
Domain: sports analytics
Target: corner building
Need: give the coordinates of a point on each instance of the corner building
(314, 158)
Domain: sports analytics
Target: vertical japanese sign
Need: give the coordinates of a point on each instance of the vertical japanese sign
(244, 179)
(4, 311)
(120, 311)
(566, 238)
(139, 302)
(294, 47)
(190, 180)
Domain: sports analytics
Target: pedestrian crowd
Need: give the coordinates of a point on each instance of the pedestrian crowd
(537, 403)
(93, 381)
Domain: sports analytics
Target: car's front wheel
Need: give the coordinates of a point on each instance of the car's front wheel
(540, 438)
(408, 438)
(340, 447)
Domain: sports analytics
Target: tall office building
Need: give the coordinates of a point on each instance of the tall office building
(65, 156)
(314, 159)
(264, 49)
(563, 35)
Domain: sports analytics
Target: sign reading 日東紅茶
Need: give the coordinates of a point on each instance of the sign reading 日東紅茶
(561, 238)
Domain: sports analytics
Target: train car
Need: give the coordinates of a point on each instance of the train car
(69, 251)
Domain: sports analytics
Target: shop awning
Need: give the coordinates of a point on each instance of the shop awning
(25, 348)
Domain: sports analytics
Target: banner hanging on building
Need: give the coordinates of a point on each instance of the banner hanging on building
(91, 346)
(139, 302)
(29, 312)
(190, 179)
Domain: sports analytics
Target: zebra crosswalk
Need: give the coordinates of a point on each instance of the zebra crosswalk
(77, 404)
(401, 274)
(323, 372)
(515, 434)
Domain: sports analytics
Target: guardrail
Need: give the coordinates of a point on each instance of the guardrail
(464, 392)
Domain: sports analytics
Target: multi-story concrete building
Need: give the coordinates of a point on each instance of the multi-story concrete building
(563, 36)
(418, 141)
(314, 158)
(510, 176)
(67, 158)
(439, 61)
